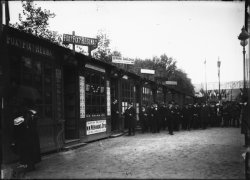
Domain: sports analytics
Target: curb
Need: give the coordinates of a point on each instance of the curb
(117, 135)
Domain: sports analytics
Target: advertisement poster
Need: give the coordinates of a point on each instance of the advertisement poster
(94, 127)
(108, 99)
(82, 96)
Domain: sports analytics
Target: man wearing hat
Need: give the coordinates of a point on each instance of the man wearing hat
(130, 117)
(170, 117)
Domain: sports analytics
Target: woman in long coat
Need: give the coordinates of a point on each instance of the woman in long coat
(26, 139)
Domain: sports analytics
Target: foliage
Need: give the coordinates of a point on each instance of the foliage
(35, 21)
(165, 70)
(103, 51)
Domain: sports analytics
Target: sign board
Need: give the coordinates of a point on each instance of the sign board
(108, 98)
(171, 82)
(122, 60)
(82, 96)
(94, 127)
(147, 71)
(79, 40)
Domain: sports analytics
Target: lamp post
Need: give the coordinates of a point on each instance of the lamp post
(218, 65)
(243, 42)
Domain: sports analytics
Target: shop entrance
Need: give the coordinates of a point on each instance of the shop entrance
(70, 103)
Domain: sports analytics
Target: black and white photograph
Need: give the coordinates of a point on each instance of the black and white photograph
(125, 89)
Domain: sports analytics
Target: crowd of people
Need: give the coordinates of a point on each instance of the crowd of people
(173, 117)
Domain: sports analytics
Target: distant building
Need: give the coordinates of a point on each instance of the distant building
(230, 91)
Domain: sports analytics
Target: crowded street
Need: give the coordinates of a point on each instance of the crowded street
(213, 153)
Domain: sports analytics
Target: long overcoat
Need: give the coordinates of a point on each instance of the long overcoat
(130, 117)
(26, 138)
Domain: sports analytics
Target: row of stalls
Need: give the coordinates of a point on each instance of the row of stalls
(73, 92)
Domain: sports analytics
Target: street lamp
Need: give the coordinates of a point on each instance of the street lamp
(243, 42)
(218, 65)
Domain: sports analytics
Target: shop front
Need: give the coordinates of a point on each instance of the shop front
(95, 101)
(71, 92)
(32, 71)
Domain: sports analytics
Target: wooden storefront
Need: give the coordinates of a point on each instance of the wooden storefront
(73, 92)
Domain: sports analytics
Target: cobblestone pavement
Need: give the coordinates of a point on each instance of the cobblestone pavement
(214, 153)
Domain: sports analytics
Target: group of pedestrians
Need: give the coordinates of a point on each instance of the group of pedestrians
(174, 117)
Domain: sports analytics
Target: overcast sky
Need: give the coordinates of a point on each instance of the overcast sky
(189, 32)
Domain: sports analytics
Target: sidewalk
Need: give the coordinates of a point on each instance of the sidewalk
(213, 153)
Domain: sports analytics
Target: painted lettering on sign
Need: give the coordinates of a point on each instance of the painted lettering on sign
(94, 127)
(122, 60)
(71, 39)
(28, 46)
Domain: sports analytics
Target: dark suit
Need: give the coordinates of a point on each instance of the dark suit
(170, 119)
(130, 117)
(143, 120)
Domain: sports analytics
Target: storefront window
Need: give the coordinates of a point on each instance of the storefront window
(147, 96)
(95, 94)
(160, 96)
(38, 74)
(128, 92)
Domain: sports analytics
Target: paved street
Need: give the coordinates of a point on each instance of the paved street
(214, 153)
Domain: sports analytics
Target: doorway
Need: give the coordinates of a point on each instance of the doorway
(70, 103)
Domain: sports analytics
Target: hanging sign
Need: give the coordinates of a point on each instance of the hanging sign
(79, 40)
(147, 71)
(171, 82)
(122, 60)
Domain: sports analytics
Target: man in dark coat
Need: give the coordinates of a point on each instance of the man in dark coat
(212, 115)
(130, 117)
(191, 111)
(204, 116)
(152, 115)
(143, 119)
(157, 118)
(170, 117)
(162, 116)
(114, 115)
(196, 116)
(176, 117)
(186, 117)
(26, 139)
(154, 118)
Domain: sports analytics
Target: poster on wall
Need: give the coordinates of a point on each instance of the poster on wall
(108, 99)
(94, 127)
(82, 96)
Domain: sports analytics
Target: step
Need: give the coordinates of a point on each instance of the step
(116, 135)
(68, 141)
(69, 147)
